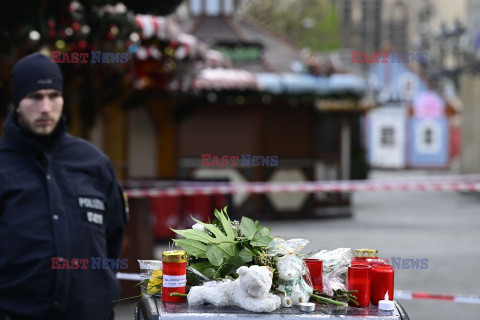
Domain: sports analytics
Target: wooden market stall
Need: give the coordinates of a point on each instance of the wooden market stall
(308, 119)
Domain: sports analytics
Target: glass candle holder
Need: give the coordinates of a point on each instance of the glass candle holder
(174, 275)
(358, 278)
(315, 267)
(147, 268)
(362, 262)
(382, 281)
(377, 261)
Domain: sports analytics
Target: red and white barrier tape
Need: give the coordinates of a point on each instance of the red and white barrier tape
(398, 294)
(448, 184)
(410, 295)
(162, 183)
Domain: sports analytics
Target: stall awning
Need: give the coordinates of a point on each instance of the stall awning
(224, 79)
(298, 84)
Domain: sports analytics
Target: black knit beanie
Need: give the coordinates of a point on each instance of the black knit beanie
(34, 72)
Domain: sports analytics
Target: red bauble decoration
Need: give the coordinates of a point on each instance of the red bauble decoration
(174, 44)
(76, 26)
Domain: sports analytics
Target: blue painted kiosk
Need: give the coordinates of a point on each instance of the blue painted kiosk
(428, 145)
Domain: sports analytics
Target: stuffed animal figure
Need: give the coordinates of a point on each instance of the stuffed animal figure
(291, 270)
(251, 291)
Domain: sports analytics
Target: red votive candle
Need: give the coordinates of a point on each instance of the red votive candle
(382, 281)
(315, 267)
(377, 261)
(359, 279)
(364, 262)
(174, 275)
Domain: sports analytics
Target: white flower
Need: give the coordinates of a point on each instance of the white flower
(236, 228)
(198, 226)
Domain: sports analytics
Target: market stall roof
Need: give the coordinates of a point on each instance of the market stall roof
(216, 75)
(224, 79)
(277, 52)
(269, 56)
(296, 84)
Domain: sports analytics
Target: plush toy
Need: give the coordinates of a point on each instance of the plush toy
(290, 272)
(251, 291)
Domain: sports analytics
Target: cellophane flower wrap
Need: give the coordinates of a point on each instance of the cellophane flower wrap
(335, 267)
(152, 275)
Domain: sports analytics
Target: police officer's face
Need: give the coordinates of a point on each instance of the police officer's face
(40, 111)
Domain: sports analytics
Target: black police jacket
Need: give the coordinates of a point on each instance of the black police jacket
(62, 216)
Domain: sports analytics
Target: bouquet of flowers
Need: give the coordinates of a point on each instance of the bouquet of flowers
(219, 248)
(216, 250)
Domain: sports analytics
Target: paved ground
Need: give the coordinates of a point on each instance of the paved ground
(441, 227)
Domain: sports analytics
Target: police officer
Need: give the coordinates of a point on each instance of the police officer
(62, 210)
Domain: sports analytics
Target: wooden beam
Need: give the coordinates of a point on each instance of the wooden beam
(167, 137)
(2, 121)
(346, 145)
(115, 137)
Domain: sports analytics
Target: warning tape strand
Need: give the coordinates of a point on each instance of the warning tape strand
(143, 184)
(411, 295)
(434, 185)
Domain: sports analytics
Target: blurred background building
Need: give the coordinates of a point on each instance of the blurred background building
(434, 28)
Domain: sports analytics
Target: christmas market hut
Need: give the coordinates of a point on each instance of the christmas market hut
(299, 110)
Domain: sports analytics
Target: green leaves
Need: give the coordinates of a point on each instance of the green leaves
(248, 227)
(193, 234)
(259, 236)
(216, 251)
(261, 242)
(205, 268)
(246, 255)
(224, 239)
(229, 267)
(214, 255)
(262, 232)
(192, 247)
(225, 221)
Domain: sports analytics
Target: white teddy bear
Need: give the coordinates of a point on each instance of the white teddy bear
(291, 270)
(251, 291)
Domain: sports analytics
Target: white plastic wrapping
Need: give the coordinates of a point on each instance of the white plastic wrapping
(147, 267)
(294, 279)
(335, 267)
